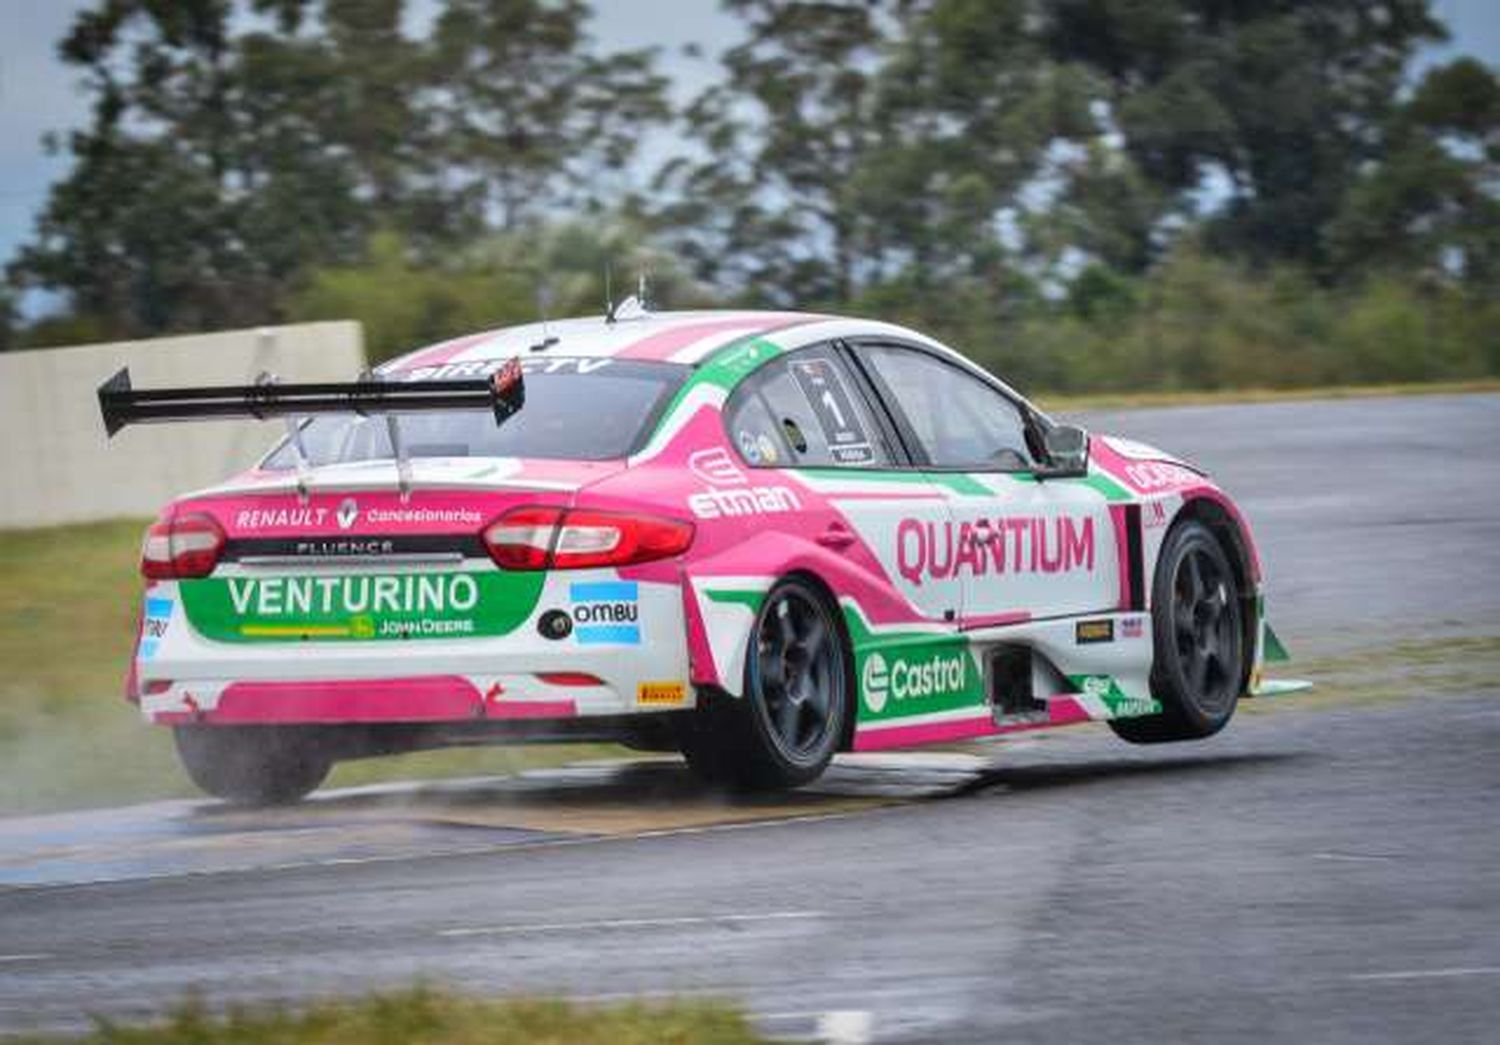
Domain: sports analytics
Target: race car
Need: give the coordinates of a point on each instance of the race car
(757, 538)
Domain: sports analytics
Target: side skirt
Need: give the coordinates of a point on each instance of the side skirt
(927, 687)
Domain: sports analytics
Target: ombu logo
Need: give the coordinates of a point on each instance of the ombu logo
(1006, 544)
(606, 612)
(933, 675)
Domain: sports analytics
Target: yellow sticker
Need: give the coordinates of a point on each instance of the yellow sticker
(1095, 631)
(659, 693)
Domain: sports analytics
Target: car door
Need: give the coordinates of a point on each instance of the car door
(807, 416)
(1020, 548)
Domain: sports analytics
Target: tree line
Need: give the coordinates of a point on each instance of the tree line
(1083, 193)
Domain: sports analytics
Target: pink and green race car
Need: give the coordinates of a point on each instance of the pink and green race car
(756, 538)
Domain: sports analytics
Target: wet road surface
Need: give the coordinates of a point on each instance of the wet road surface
(1325, 870)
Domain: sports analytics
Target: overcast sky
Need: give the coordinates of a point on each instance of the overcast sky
(38, 93)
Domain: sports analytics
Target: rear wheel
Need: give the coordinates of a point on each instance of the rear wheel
(784, 730)
(1200, 663)
(252, 765)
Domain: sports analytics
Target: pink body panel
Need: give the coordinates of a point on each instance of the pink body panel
(1061, 711)
(433, 698)
(662, 345)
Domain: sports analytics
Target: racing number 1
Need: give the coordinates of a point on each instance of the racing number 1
(825, 393)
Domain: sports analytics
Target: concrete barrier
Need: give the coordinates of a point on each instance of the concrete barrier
(56, 465)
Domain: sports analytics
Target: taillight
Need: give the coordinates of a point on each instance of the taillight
(522, 539)
(186, 545)
(536, 538)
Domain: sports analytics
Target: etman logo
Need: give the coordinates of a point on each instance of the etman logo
(347, 514)
(716, 468)
(749, 500)
(729, 492)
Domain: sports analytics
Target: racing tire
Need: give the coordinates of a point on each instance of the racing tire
(784, 730)
(252, 765)
(1200, 662)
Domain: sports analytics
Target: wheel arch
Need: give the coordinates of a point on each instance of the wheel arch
(1223, 521)
(814, 580)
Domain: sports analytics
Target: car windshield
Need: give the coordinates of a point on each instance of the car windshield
(592, 410)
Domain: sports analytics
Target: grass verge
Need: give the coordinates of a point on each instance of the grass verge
(1132, 400)
(1455, 666)
(427, 1017)
(68, 738)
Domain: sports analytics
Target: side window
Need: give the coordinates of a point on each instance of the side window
(960, 421)
(804, 410)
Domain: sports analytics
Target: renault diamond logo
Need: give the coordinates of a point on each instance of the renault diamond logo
(348, 512)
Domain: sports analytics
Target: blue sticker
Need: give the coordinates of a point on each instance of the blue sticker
(606, 612)
(154, 625)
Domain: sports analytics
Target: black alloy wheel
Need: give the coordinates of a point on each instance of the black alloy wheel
(785, 728)
(1201, 662)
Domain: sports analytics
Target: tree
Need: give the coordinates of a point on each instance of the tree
(503, 278)
(527, 117)
(9, 316)
(771, 204)
(201, 184)
(1431, 206)
(975, 116)
(1279, 104)
(134, 233)
(232, 149)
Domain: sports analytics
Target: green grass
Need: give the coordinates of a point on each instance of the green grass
(1456, 666)
(68, 738)
(1131, 400)
(426, 1017)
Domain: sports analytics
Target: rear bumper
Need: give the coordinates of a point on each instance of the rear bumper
(429, 698)
(182, 677)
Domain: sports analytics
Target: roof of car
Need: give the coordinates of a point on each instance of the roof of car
(678, 337)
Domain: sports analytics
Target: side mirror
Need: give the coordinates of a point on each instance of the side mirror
(1067, 448)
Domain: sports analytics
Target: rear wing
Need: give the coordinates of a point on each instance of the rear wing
(504, 392)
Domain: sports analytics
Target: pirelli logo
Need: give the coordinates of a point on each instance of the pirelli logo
(660, 694)
(1091, 631)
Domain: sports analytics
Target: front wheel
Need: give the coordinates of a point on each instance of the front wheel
(785, 728)
(252, 765)
(1200, 664)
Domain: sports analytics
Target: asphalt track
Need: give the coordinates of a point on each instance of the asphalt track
(1323, 871)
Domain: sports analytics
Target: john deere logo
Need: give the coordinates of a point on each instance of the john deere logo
(348, 513)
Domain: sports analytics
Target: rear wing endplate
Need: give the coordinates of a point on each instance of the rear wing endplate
(503, 393)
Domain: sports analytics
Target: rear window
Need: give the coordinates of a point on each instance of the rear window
(576, 410)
